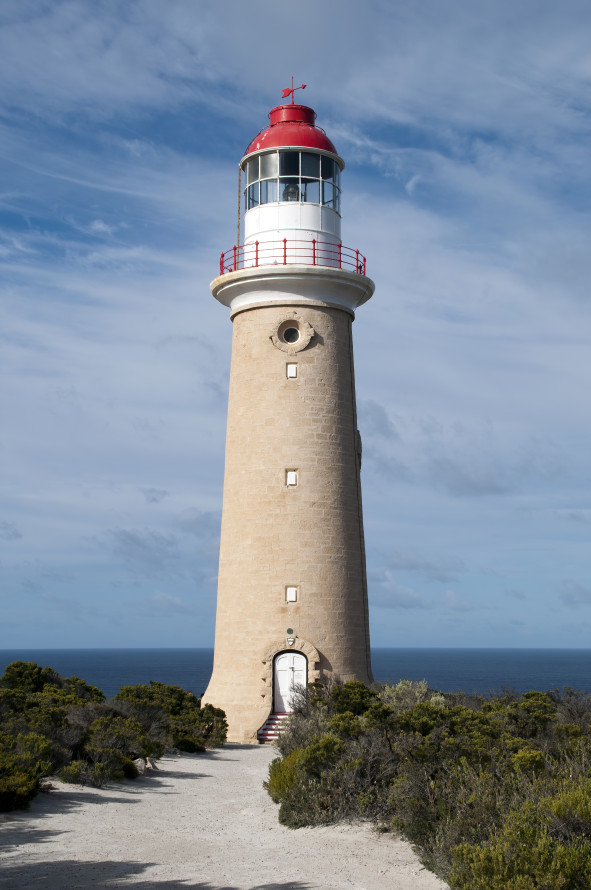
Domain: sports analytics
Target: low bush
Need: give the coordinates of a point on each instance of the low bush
(544, 843)
(175, 715)
(282, 775)
(494, 791)
(62, 725)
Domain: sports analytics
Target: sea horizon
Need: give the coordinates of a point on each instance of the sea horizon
(449, 669)
(388, 648)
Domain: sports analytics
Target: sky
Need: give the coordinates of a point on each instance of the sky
(465, 128)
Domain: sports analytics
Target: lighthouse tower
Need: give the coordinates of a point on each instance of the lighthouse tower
(292, 592)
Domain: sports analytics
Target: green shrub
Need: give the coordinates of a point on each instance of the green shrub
(467, 779)
(28, 677)
(346, 724)
(525, 716)
(81, 772)
(353, 696)
(171, 699)
(320, 753)
(17, 786)
(61, 725)
(122, 734)
(282, 776)
(175, 715)
(24, 759)
(528, 760)
(407, 693)
(187, 742)
(543, 845)
(215, 726)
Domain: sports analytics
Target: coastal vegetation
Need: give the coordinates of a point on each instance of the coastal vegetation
(493, 791)
(54, 725)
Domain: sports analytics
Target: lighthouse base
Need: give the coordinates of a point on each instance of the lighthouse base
(260, 687)
(263, 685)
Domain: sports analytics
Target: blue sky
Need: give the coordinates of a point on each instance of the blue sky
(465, 128)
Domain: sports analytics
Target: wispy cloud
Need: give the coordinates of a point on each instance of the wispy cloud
(146, 550)
(465, 133)
(163, 605)
(386, 592)
(460, 479)
(574, 594)
(574, 515)
(9, 531)
(455, 603)
(155, 495)
(199, 523)
(442, 569)
(516, 595)
(374, 419)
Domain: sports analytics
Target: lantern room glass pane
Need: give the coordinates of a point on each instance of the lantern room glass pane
(327, 166)
(253, 195)
(269, 165)
(310, 165)
(252, 170)
(289, 190)
(269, 191)
(327, 194)
(289, 163)
(337, 175)
(337, 200)
(311, 191)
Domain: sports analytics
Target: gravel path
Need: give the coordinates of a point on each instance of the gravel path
(201, 821)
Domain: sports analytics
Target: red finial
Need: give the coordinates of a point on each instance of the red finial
(286, 92)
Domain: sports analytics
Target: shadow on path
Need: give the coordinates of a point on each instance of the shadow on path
(86, 875)
(20, 827)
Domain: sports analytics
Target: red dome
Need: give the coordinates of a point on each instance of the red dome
(291, 126)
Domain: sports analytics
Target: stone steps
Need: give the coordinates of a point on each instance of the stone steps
(271, 730)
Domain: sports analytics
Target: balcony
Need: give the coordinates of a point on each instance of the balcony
(289, 251)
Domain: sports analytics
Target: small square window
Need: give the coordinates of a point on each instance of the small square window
(291, 594)
(292, 370)
(291, 477)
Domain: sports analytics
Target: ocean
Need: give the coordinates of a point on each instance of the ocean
(448, 670)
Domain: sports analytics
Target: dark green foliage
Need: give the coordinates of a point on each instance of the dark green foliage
(54, 724)
(542, 844)
(526, 716)
(353, 697)
(187, 725)
(26, 677)
(24, 758)
(282, 775)
(173, 700)
(122, 734)
(495, 792)
(80, 772)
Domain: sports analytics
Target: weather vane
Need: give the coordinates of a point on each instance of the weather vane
(291, 90)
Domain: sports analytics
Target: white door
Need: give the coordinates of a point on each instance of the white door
(290, 669)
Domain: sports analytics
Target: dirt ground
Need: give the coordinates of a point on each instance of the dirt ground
(201, 821)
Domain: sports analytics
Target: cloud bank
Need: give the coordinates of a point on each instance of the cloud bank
(465, 133)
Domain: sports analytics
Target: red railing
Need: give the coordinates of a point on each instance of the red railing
(288, 251)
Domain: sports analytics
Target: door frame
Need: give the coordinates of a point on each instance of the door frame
(268, 654)
(288, 652)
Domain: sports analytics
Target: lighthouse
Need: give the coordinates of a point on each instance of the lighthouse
(292, 590)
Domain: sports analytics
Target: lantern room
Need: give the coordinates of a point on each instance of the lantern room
(290, 201)
(288, 175)
(291, 180)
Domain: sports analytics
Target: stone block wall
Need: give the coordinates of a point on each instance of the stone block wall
(308, 536)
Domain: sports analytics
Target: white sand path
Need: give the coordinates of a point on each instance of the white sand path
(201, 821)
